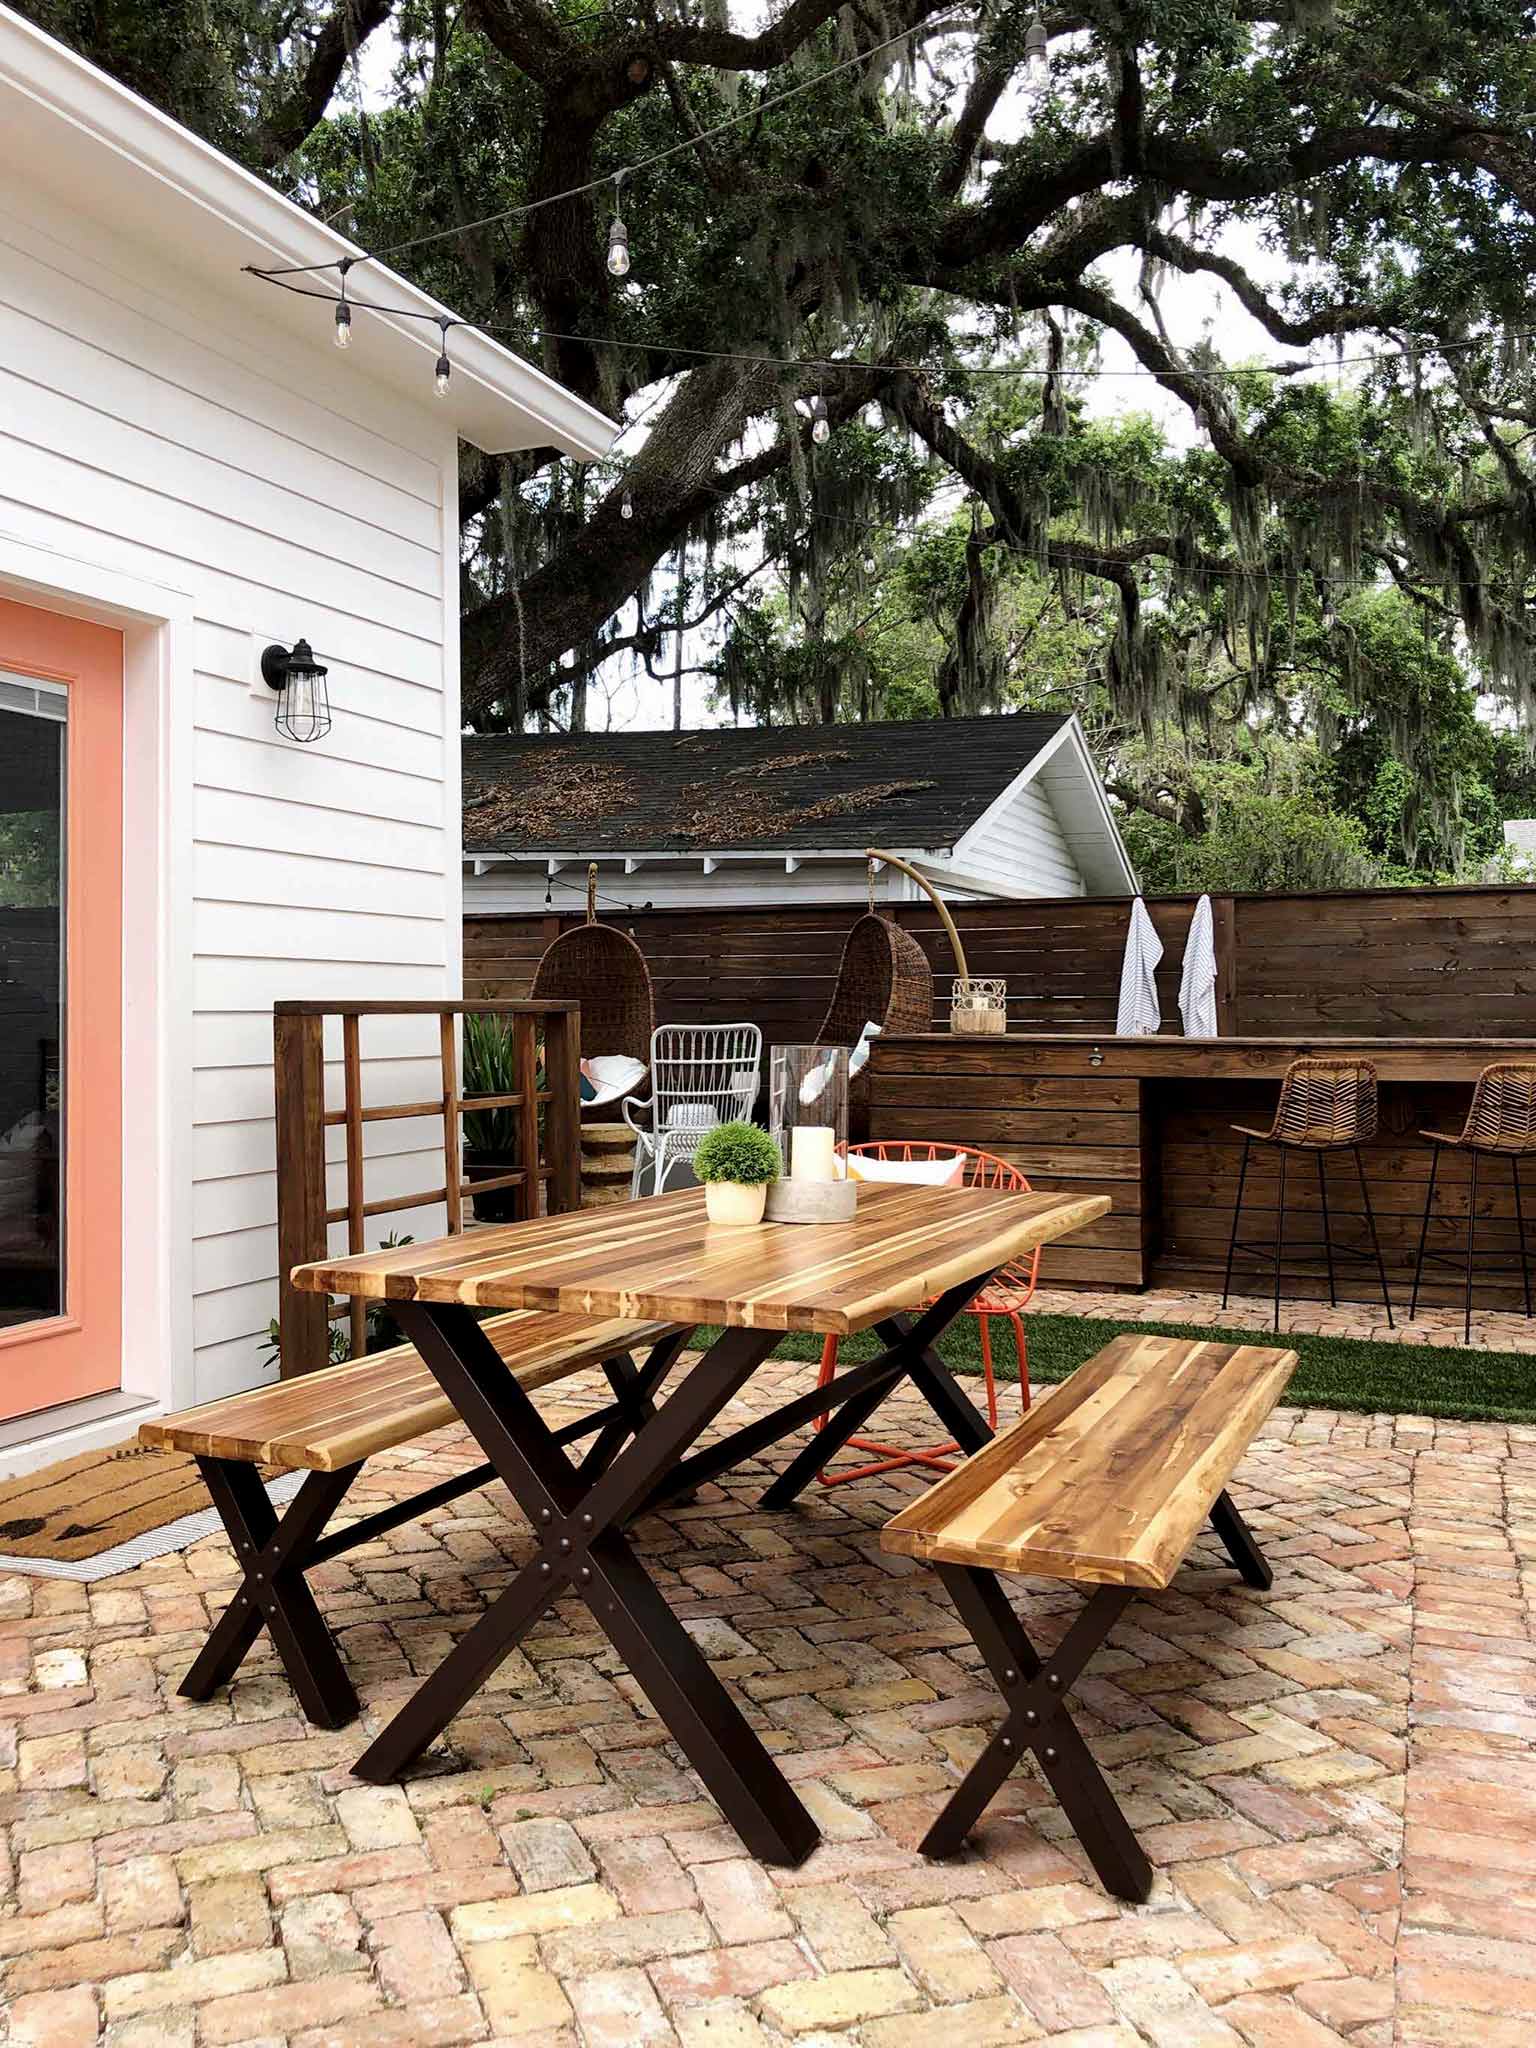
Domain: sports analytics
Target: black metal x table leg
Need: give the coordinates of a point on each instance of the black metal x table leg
(583, 1550)
(1034, 1691)
(1238, 1541)
(273, 1556)
(912, 1354)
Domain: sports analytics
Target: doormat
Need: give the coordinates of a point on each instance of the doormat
(105, 1511)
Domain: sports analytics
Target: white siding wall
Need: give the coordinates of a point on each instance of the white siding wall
(285, 496)
(1021, 848)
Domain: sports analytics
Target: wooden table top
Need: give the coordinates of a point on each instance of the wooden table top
(660, 1259)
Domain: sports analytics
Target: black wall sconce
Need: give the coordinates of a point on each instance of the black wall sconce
(303, 704)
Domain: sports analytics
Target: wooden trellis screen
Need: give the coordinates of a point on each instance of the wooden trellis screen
(304, 1210)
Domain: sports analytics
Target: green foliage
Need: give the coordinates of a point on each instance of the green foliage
(1254, 843)
(739, 1152)
(29, 859)
(490, 1068)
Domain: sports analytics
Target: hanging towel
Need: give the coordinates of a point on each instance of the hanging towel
(1139, 1015)
(1197, 983)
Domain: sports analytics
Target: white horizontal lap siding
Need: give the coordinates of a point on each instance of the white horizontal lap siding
(1021, 848)
(285, 496)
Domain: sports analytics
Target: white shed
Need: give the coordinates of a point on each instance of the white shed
(189, 471)
(1008, 806)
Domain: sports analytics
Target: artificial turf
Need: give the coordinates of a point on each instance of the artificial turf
(1450, 1382)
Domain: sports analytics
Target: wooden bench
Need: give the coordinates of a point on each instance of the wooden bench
(326, 1424)
(1106, 1484)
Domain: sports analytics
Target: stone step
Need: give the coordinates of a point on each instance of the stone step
(605, 1165)
(607, 1138)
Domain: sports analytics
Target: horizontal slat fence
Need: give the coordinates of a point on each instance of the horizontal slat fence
(1389, 963)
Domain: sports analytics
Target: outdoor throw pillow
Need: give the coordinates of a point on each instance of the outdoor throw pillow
(926, 1173)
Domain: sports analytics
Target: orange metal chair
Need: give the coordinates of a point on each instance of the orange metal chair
(1007, 1293)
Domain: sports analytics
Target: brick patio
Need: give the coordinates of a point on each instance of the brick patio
(184, 1875)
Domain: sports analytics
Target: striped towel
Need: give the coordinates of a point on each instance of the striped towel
(1139, 1015)
(1197, 983)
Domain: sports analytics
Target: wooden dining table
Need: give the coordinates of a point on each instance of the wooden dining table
(905, 1266)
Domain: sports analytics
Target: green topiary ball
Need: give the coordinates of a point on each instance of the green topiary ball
(740, 1152)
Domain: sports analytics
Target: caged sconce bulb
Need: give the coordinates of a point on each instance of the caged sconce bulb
(303, 703)
(821, 426)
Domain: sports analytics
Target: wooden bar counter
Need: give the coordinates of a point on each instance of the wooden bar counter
(1148, 1122)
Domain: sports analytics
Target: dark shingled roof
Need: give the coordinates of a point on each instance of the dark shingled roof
(921, 784)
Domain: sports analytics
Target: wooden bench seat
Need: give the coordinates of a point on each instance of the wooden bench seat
(327, 1424)
(1107, 1484)
(326, 1420)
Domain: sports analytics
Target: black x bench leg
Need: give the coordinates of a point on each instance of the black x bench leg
(273, 1555)
(1034, 1692)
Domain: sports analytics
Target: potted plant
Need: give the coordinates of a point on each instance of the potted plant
(491, 1135)
(736, 1163)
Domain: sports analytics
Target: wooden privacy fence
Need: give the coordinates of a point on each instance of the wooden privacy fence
(1382, 963)
(544, 1174)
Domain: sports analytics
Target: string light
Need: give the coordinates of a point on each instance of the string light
(626, 507)
(821, 426)
(444, 367)
(1037, 55)
(1202, 418)
(618, 235)
(343, 310)
(870, 565)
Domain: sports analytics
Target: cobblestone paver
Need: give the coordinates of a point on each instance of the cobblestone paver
(1334, 1781)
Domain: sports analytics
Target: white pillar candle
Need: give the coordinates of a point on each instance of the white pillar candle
(811, 1152)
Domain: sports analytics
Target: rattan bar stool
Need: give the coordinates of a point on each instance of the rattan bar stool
(1325, 1106)
(1500, 1123)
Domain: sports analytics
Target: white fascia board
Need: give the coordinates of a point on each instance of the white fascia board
(69, 128)
(762, 856)
(1068, 745)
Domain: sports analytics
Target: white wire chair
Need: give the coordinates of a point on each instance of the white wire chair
(701, 1075)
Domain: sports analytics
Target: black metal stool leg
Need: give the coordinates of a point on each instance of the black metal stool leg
(1237, 1210)
(1525, 1263)
(1279, 1232)
(1466, 1332)
(1370, 1218)
(1322, 1196)
(1429, 1203)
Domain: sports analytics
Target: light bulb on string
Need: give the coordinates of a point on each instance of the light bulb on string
(1202, 418)
(343, 310)
(1037, 56)
(626, 507)
(618, 235)
(821, 426)
(870, 565)
(444, 367)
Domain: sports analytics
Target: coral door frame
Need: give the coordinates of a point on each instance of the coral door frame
(157, 1042)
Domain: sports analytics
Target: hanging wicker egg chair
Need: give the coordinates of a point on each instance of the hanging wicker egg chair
(602, 969)
(883, 978)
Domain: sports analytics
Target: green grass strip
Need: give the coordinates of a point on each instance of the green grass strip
(1349, 1373)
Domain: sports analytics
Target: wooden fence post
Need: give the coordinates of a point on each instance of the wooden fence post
(1224, 933)
(562, 1126)
(298, 1055)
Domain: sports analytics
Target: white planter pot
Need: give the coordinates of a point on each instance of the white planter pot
(729, 1201)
